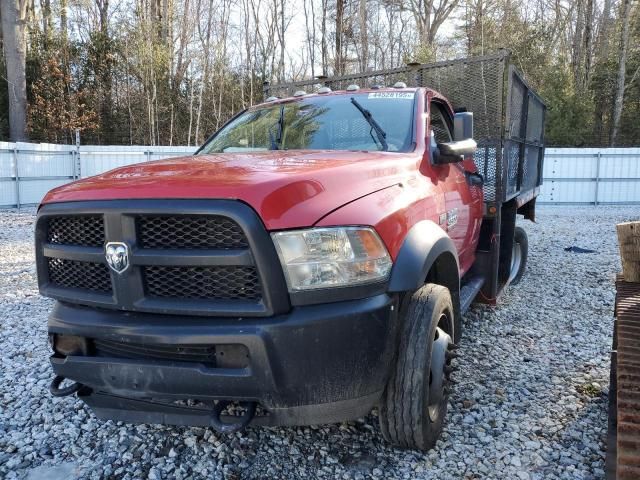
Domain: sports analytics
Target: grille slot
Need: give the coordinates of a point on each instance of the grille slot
(221, 355)
(210, 283)
(190, 232)
(204, 354)
(82, 275)
(85, 230)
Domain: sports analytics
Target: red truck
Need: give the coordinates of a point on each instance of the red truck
(310, 262)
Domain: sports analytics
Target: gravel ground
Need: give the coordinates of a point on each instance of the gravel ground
(531, 402)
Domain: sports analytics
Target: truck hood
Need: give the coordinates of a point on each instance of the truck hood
(288, 189)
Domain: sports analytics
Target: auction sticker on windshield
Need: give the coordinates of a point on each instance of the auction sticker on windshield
(393, 95)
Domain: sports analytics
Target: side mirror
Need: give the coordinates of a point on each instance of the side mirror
(452, 152)
(462, 126)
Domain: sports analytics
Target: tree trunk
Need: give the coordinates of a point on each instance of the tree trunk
(325, 54)
(282, 30)
(576, 53)
(14, 13)
(104, 74)
(602, 57)
(164, 35)
(63, 21)
(622, 70)
(46, 21)
(339, 36)
(311, 34)
(364, 38)
(587, 45)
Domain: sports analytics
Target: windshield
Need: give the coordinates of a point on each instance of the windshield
(322, 123)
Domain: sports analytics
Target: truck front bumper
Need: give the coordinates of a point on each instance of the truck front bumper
(317, 364)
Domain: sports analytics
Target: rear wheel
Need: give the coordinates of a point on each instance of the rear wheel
(414, 405)
(519, 255)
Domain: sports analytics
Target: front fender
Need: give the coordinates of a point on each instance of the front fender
(422, 246)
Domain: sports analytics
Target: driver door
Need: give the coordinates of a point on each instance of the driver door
(463, 204)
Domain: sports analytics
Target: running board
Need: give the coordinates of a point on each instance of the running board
(469, 291)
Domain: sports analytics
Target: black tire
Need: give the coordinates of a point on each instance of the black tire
(414, 405)
(520, 241)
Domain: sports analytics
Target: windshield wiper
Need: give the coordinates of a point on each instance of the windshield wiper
(380, 133)
(278, 139)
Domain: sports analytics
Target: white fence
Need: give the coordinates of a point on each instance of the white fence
(591, 175)
(29, 170)
(571, 175)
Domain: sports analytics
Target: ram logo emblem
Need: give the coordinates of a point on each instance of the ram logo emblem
(117, 254)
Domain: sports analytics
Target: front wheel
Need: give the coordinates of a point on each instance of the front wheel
(414, 405)
(519, 255)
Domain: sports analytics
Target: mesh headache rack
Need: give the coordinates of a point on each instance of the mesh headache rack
(508, 114)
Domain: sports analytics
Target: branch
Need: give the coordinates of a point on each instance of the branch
(633, 78)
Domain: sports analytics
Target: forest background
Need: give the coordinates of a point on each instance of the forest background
(169, 72)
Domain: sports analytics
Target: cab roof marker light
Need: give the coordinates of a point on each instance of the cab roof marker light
(353, 88)
(299, 93)
(399, 85)
(323, 90)
(377, 87)
(272, 99)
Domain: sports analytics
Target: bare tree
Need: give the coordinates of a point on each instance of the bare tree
(103, 69)
(281, 31)
(582, 44)
(45, 6)
(183, 61)
(339, 59)
(364, 38)
(625, 14)
(587, 42)
(249, 35)
(602, 57)
(205, 40)
(577, 45)
(324, 48)
(310, 24)
(430, 16)
(14, 17)
(265, 35)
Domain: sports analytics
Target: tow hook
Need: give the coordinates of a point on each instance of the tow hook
(56, 391)
(242, 421)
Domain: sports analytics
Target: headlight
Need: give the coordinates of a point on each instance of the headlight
(331, 257)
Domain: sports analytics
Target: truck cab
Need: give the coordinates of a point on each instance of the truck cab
(310, 262)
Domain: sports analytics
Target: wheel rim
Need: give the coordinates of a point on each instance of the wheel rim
(437, 376)
(516, 260)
